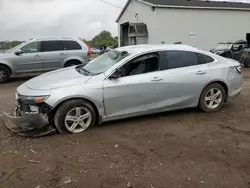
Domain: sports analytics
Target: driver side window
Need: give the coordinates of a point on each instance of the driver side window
(140, 65)
(238, 47)
(33, 47)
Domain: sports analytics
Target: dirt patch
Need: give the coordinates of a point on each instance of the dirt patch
(177, 149)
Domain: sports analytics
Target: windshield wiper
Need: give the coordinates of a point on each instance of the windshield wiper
(85, 70)
(81, 69)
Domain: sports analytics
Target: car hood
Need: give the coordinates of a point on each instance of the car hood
(57, 79)
(4, 55)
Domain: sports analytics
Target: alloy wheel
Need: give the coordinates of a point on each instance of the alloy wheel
(78, 119)
(213, 98)
(3, 75)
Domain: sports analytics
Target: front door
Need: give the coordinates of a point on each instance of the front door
(134, 91)
(30, 60)
(238, 50)
(53, 54)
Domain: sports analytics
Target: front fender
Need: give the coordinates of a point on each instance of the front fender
(90, 92)
(6, 64)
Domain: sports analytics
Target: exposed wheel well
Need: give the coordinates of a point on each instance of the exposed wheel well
(89, 101)
(224, 86)
(6, 67)
(72, 60)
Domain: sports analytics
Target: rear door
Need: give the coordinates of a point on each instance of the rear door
(183, 78)
(30, 60)
(74, 50)
(54, 54)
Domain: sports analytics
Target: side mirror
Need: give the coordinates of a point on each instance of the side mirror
(114, 76)
(117, 74)
(18, 52)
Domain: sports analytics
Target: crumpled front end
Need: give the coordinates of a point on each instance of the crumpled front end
(29, 120)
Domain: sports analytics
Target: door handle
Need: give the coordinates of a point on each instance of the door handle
(156, 79)
(62, 53)
(201, 72)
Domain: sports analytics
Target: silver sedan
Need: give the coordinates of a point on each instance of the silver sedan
(126, 82)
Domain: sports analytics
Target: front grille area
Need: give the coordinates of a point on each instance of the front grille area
(23, 107)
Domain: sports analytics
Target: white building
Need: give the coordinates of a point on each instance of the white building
(199, 23)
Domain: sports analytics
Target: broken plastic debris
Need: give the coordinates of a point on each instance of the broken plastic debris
(32, 161)
(33, 151)
(129, 184)
(68, 181)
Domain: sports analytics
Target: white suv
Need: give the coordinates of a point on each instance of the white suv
(42, 55)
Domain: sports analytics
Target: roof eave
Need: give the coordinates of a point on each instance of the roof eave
(123, 10)
(192, 7)
(184, 7)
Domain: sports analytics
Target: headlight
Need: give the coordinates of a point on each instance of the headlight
(33, 100)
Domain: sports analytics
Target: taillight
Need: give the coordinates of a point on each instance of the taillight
(89, 49)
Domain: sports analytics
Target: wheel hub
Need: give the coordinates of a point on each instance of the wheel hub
(78, 119)
(213, 98)
(2, 75)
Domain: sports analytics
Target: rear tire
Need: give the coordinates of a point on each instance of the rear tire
(212, 98)
(75, 116)
(5, 74)
(72, 63)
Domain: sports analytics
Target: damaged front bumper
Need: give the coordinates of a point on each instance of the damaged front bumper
(32, 124)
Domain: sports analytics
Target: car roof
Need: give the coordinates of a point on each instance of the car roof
(227, 42)
(134, 49)
(240, 41)
(54, 38)
(237, 41)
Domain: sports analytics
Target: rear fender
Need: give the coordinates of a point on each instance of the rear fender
(72, 58)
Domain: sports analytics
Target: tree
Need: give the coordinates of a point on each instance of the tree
(103, 38)
(5, 45)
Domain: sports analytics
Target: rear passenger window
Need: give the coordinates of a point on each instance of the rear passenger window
(50, 46)
(72, 45)
(177, 59)
(204, 58)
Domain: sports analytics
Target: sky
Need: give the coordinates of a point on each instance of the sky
(25, 19)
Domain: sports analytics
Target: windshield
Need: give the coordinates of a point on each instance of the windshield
(104, 62)
(223, 46)
(16, 47)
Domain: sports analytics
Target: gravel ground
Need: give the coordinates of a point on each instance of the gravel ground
(170, 150)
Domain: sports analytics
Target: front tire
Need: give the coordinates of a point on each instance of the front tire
(5, 74)
(212, 98)
(74, 116)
